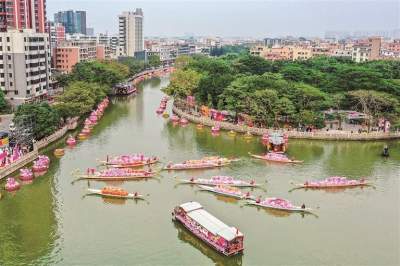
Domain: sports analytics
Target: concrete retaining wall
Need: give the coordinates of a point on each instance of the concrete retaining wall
(292, 134)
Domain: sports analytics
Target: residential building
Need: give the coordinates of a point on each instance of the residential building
(23, 14)
(375, 44)
(341, 53)
(361, 53)
(131, 32)
(68, 53)
(24, 65)
(56, 32)
(73, 21)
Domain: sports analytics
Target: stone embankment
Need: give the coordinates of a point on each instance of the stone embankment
(318, 135)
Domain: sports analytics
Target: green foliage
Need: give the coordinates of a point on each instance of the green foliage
(183, 83)
(154, 61)
(45, 117)
(106, 73)
(4, 106)
(296, 92)
(79, 98)
(135, 66)
(229, 49)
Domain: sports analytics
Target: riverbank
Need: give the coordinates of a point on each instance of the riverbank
(318, 135)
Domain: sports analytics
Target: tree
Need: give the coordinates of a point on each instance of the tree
(45, 117)
(106, 73)
(135, 66)
(375, 104)
(182, 61)
(4, 106)
(253, 65)
(79, 98)
(183, 83)
(154, 61)
(263, 106)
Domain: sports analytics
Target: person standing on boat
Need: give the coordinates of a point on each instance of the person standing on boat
(303, 206)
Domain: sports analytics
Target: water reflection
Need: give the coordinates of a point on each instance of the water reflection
(29, 233)
(220, 260)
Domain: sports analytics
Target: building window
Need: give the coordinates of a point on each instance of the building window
(8, 39)
(11, 84)
(16, 92)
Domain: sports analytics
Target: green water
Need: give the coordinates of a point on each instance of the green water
(50, 222)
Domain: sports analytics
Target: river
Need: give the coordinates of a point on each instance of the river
(51, 222)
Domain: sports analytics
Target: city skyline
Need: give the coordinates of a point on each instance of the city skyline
(258, 18)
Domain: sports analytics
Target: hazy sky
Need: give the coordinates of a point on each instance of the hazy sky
(255, 18)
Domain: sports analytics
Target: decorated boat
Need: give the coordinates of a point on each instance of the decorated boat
(220, 180)
(119, 174)
(225, 239)
(227, 191)
(248, 135)
(175, 118)
(82, 136)
(12, 185)
(215, 129)
(114, 192)
(26, 174)
(275, 141)
(134, 160)
(183, 121)
(275, 157)
(41, 164)
(71, 141)
(59, 152)
(334, 182)
(232, 133)
(206, 162)
(278, 204)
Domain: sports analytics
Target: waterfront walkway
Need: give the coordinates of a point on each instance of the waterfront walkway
(316, 135)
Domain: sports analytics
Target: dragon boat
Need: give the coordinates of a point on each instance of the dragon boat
(275, 157)
(279, 204)
(116, 174)
(124, 161)
(220, 180)
(205, 163)
(334, 182)
(227, 191)
(114, 192)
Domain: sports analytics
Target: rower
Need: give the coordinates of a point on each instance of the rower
(258, 200)
(385, 151)
(303, 206)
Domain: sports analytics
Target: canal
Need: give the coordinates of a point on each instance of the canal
(51, 222)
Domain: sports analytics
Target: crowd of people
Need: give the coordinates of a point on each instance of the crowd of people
(9, 154)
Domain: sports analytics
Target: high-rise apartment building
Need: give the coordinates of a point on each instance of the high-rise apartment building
(24, 65)
(131, 32)
(56, 32)
(73, 21)
(22, 14)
